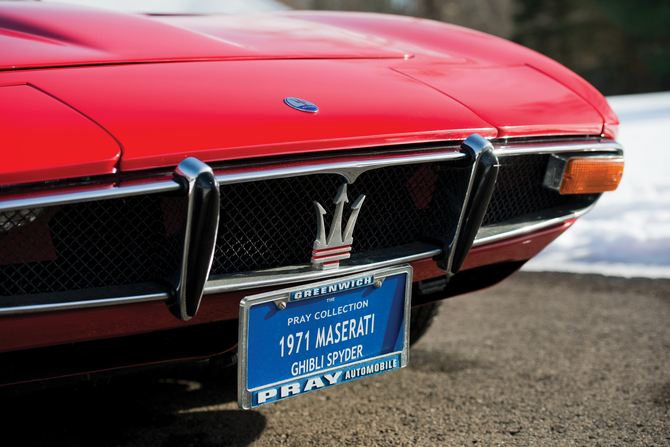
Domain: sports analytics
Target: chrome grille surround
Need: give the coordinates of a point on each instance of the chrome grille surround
(347, 168)
(270, 223)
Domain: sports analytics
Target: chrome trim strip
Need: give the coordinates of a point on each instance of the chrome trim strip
(18, 310)
(292, 274)
(496, 233)
(349, 169)
(99, 193)
(502, 150)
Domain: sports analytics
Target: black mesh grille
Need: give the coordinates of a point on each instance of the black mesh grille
(272, 223)
(94, 244)
(264, 224)
(519, 189)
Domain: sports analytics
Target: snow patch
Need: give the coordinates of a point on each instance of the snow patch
(628, 232)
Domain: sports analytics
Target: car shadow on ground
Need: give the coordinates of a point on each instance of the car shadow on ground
(661, 395)
(436, 361)
(181, 405)
(174, 406)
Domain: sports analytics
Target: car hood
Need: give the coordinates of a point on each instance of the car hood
(222, 110)
(168, 87)
(46, 35)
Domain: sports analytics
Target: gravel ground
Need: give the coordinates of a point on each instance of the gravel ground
(541, 359)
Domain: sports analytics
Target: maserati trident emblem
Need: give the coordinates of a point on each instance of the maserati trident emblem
(328, 252)
(301, 104)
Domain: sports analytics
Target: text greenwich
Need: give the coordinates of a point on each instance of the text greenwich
(333, 288)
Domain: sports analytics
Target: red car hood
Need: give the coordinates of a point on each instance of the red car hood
(377, 80)
(38, 35)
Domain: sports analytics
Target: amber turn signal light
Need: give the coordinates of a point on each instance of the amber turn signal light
(583, 175)
(591, 175)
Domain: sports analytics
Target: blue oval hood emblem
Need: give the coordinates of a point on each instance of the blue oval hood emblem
(301, 104)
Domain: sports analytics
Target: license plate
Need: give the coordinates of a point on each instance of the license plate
(315, 336)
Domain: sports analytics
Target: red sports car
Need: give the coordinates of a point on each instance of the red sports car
(293, 189)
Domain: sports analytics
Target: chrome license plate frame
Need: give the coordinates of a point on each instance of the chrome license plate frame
(265, 313)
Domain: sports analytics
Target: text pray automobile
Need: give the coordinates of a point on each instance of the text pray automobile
(296, 189)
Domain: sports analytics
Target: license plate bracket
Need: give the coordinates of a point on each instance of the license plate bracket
(314, 336)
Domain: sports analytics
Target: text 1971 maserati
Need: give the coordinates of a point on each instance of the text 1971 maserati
(298, 188)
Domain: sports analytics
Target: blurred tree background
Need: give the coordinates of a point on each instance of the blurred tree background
(619, 46)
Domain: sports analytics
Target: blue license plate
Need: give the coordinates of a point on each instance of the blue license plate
(311, 337)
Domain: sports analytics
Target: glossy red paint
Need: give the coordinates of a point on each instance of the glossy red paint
(519, 101)
(270, 36)
(611, 131)
(478, 48)
(161, 116)
(521, 248)
(45, 139)
(54, 328)
(45, 35)
(163, 113)
(213, 87)
(49, 35)
(518, 248)
(425, 269)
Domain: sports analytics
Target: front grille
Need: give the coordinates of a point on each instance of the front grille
(519, 189)
(272, 223)
(86, 245)
(264, 224)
